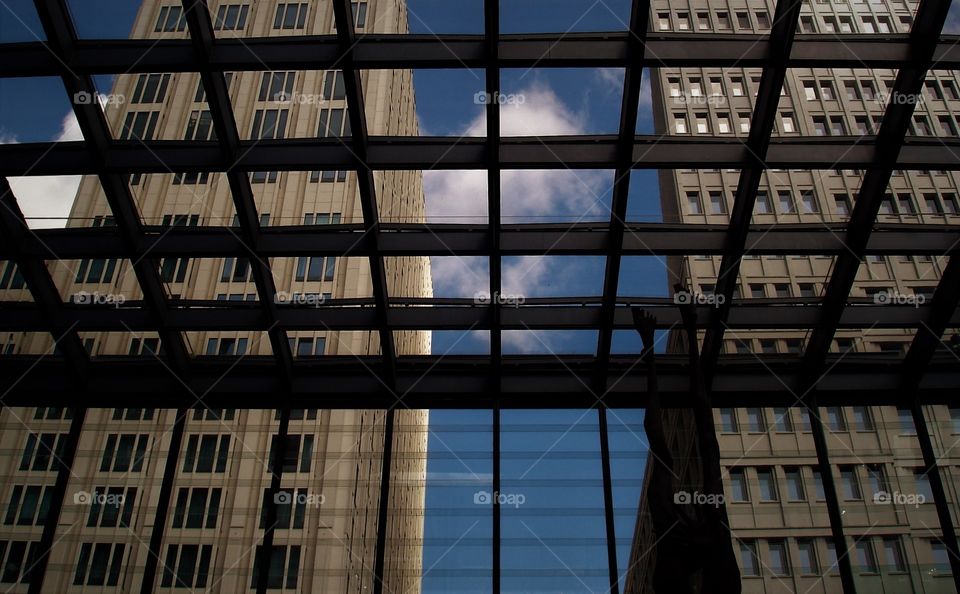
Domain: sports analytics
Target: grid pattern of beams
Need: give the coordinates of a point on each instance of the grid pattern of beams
(495, 381)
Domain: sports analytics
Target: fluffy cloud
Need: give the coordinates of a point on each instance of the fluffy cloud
(526, 196)
(46, 200)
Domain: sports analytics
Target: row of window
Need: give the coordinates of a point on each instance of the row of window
(789, 483)
(835, 418)
(816, 557)
(233, 17)
(902, 204)
(759, 20)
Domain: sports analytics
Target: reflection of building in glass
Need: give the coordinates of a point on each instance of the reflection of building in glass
(773, 491)
(327, 515)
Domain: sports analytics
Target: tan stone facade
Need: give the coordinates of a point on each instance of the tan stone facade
(325, 538)
(769, 461)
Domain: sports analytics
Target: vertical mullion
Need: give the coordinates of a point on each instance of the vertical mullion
(830, 494)
(608, 501)
(64, 472)
(163, 502)
(383, 511)
(495, 570)
(270, 503)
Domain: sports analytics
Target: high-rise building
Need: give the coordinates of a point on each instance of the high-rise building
(773, 490)
(327, 512)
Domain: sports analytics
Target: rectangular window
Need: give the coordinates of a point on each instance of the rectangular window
(206, 453)
(728, 420)
(150, 88)
(28, 505)
(18, 558)
(297, 455)
(835, 421)
(866, 560)
(43, 451)
(139, 125)
(786, 121)
(941, 558)
(290, 16)
(171, 18)
(99, 564)
(809, 200)
(717, 203)
(269, 123)
(755, 420)
(693, 203)
(283, 567)
(124, 452)
(231, 17)
(767, 484)
(861, 419)
(849, 486)
(749, 562)
(111, 507)
(779, 560)
(794, 481)
(785, 202)
(762, 205)
(186, 566)
(680, 122)
(291, 507)
(196, 508)
(738, 485)
(807, 558)
(781, 417)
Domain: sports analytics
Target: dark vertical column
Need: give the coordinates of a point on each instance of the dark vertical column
(608, 502)
(932, 470)
(163, 502)
(495, 570)
(64, 471)
(384, 511)
(269, 500)
(830, 493)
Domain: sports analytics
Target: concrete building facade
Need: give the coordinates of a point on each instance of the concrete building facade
(328, 508)
(772, 487)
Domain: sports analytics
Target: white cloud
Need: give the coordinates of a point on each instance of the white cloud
(461, 197)
(48, 196)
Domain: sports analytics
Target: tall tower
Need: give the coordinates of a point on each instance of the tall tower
(327, 511)
(773, 488)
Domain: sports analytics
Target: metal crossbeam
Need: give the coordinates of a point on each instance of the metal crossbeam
(379, 51)
(391, 153)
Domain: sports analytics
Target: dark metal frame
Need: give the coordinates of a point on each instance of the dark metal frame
(497, 381)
